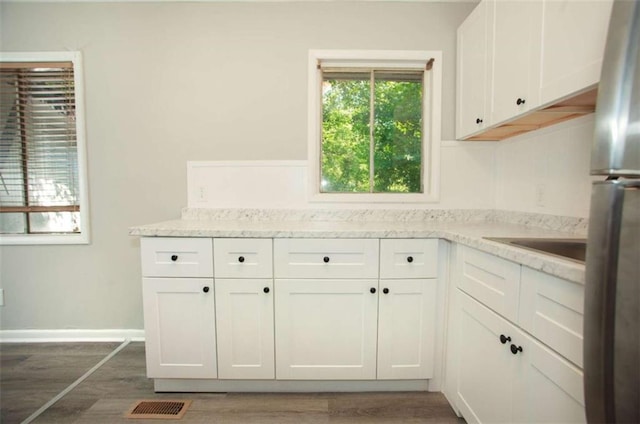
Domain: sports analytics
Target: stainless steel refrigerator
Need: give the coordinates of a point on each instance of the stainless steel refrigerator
(612, 291)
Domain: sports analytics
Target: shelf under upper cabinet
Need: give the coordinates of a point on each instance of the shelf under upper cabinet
(576, 106)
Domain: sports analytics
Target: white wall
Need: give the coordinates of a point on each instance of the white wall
(172, 82)
(544, 172)
(547, 171)
(467, 173)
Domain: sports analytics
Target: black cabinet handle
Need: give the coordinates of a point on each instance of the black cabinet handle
(326, 259)
(409, 259)
(520, 101)
(266, 289)
(205, 289)
(515, 349)
(385, 290)
(241, 259)
(174, 258)
(372, 289)
(504, 339)
(478, 121)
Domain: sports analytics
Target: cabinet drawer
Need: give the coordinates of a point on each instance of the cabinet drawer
(326, 258)
(552, 310)
(491, 280)
(176, 257)
(243, 258)
(408, 258)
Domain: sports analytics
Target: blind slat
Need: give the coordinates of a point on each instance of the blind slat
(34, 65)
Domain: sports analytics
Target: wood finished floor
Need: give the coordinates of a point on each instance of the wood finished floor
(32, 374)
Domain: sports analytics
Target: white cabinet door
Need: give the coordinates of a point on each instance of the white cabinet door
(406, 329)
(574, 36)
(519, 381)
(179, 319)
(515, 46)
(244, 318)
(326, 329)
(548, 389)
(486, 366)
(472, 62)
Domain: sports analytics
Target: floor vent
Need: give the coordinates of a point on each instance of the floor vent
(159, 409)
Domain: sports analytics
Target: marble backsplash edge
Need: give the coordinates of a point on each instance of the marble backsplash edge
(571, 225)
(568, 224)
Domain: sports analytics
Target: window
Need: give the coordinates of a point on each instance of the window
(43, 191)
(374, 130)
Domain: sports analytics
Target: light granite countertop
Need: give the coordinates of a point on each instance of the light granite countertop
(469, 228)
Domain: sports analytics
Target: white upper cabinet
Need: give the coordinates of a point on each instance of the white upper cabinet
(514, 48)
(528, 64)
(472, 73)
(574, 36)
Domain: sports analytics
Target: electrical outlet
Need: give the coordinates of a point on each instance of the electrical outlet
(202, 195)
(1, 297)
(541, 195)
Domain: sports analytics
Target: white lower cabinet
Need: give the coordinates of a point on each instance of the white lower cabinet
(549, 389)
(179, 316)
(244, 320)
(337, 310)
(506, 376)
(485, 370)
(331, 330)
(406, 329)
(326, 329)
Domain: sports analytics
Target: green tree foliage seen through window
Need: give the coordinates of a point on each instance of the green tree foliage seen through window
(352, 131)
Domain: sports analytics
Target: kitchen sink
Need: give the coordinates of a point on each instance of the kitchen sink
(573, 249)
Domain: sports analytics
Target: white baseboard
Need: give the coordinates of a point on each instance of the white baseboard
(211, 385)
(49, 336)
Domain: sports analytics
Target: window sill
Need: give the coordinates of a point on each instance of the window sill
(43, 239)
(373, 198)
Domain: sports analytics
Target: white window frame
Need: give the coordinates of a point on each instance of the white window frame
(83, 236)
(432, 106)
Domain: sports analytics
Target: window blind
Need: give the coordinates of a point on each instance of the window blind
(360, 74)
(38, 144)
